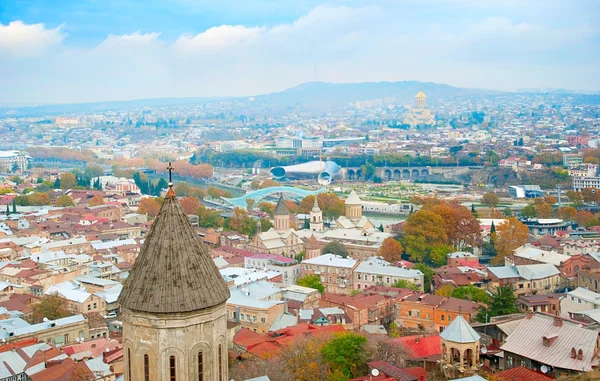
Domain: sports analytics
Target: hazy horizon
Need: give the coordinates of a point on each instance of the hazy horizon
(131, 50)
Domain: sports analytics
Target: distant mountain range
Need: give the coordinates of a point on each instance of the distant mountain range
(306, 96)
(336, 94)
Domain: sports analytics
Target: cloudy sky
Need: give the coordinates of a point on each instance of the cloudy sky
(92, 50)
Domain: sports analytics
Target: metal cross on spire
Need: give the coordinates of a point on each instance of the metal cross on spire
(170, 169)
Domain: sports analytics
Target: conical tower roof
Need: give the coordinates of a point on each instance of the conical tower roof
(174, 271)
(353, 199)
(420, 95)
(315, 208)
(312, 243)
(459, 331)
(281, 208)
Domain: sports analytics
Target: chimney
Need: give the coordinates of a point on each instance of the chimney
(558, 322)
(417, 339)
(529, 314)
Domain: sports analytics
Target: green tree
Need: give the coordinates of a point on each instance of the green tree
(490, 200)
(347, 353)
(14, 206)
(50, 306)
(209, 218)
(403, 283)
(528, 212)
(368, 170)
(428, 274)
(507, 212)
(311, 281)
(502, 302)
(265, 224)
(335, 248)
(470, 292)
(67, 181)
(93, 170)
(64, 201)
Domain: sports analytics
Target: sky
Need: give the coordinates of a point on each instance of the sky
(64, 51)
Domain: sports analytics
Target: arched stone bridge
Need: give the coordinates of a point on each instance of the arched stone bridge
(259, 195)
(389, 173)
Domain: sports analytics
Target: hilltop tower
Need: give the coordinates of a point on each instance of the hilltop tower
(173, 303)
(282, 215)
(353, 207)
(460, 349)
(316, 217)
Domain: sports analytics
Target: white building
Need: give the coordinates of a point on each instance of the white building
(375, 271)
(580, 299)
(8, 160)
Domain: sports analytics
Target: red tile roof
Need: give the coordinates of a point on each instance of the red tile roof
(391, 370)
(417, 371)
(521, 374)
(64, 370)
(418, 347)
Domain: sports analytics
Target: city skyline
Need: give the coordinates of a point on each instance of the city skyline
(122, 50)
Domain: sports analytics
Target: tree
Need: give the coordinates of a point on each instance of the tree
(423, 231)
(510, 235)
(241, 222)
(7, 210)
(575, 197)
(528, 212)
(382, 348)
(490, 200)
(64, 201)
(445, 290)
(507, 212)
(403, 283)
(189, 204)
(183, 189)
(50, 306)
(502, 302)
(428, 274)
(14, 206)
(268, 183)
(67, 181)
(390, 250)
(583, 217)
(311, 281)
(96, 201)
(472, 293)
(566, 213)
(347, 353)
(38, 198)
(543, 210)
(149, 206)
(267, 207)
(249, 203)
(209, 218)
(265, 224)
(93, 170)
(335, 248)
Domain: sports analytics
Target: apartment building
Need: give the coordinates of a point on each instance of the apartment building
(335, 271)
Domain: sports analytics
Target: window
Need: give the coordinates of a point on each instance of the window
(89, 307)
(358, 276)
(449, 317)
(572, 298)
(388, 279)
(428, 316)
(128, 364)
(95, 306)
(220, 362)
(263, 320)
(200, 367)
(172, 370)
(254, 318)
(247, 317)
(443, 317)
(146, 368)
(578, 300)
(66, 338)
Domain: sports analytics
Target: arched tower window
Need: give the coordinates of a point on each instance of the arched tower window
(200, 366)
(146, 368)
(220, 362)
(128, 364)
(172, 369)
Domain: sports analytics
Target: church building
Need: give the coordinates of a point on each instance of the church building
(173, 305)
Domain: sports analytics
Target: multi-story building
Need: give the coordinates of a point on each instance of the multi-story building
(580, 299)
(527, 279)
(289, 268)
(589, 170)
(363, 309)
(13, 160)
(56, 332)
(579, 183)
(548, 303)
(255, 306)
(335, 271)
(432, 312)
(377, 272)
(572, 159)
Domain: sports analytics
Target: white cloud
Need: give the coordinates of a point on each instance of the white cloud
(133, 40)
(28, 40)
(219, 37)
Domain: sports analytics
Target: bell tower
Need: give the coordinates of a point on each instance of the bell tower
(173, 303)
(460, 349)
(316, 217)
(282, 215)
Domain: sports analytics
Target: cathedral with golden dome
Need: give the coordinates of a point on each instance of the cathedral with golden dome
(419, 114)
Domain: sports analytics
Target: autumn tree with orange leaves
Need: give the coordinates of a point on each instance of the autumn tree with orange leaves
(149, 206)
(189, 204)
(390, 250)
(96, 201)
(508, 236)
